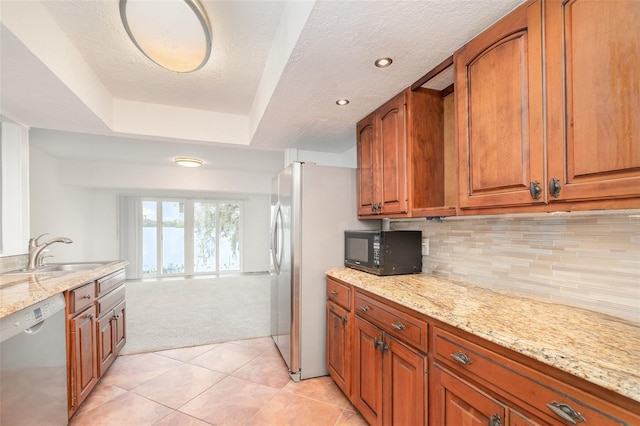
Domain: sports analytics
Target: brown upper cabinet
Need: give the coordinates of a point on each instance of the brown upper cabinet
(572, 143)
(592, 58)
(498, 89)
(400, 150)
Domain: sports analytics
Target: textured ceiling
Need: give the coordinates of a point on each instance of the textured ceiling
(274, 75)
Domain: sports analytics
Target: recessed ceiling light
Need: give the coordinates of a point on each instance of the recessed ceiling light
(383, 62)
(342, 102)
(188, 162)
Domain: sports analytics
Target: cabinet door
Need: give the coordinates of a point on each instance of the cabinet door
(106, 349)
(404, 384)
(84, 367)
(498, 93)
(392, 174)
(338, 346)
(366, 139)
(119, 327)
(593, 97)
(456, 403)
(367, 371)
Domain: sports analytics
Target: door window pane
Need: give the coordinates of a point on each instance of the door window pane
(205, 233)
(229, 215)
(172, 237)
(149, 237)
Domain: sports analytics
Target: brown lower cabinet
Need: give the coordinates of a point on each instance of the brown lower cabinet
(96, 333)
(470, 381)
(82, 365)
(390, 382)
(409, 369)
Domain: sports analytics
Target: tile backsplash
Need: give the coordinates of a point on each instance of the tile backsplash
(590, 260)
(11, 263)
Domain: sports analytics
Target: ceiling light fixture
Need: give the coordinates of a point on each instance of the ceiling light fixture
(174, 34)
(188, 162)
(342, 102)
(383, 62)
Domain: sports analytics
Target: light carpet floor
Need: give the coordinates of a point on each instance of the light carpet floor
(174, 313)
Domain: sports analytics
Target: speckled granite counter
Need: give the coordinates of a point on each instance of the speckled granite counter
(20, 290)
(602, 349)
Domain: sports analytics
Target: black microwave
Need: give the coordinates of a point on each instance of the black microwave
(384, 252)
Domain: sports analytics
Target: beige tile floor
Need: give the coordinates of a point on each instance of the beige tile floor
(244, 382)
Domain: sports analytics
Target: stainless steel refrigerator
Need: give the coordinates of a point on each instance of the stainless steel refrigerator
(311, 207)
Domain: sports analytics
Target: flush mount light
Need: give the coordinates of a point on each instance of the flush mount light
(188, 162)
(174, 34)
(342, 102)
(383, 62)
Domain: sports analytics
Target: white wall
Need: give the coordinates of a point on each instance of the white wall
(78, 200)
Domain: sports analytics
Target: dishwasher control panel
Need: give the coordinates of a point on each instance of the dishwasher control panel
(26, 318)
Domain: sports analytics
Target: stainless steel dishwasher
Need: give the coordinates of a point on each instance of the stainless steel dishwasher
(33, 365)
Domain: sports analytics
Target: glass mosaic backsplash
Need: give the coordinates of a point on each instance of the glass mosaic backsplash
(589, 260)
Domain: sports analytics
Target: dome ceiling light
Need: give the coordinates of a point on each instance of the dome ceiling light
(188, 162)
(174, 34)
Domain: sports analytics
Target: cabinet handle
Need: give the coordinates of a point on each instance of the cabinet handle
(364, 308)
(380, 344)
(494, 420)
(398, 326)
(344, 320)
(88, 296)
(554, 187)
(334, 292)
(461, 358)
(565, 412)
(535, 190)
(377, 342)
(88, 316)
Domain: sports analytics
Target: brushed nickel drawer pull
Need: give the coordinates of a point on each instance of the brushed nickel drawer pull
(398, 326)
(565, 412)
(364, 308)
(334, 292)
(461, 358)
(88, 296)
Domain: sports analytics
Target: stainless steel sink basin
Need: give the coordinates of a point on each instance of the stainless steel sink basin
(65, 267)
(81, 266)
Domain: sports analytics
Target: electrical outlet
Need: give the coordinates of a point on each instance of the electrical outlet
(425, 247)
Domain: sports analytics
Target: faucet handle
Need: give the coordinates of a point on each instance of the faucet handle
(41, 259)
(34, 241)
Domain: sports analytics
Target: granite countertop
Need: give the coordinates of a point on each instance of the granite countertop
(21, 290)
(600, 348)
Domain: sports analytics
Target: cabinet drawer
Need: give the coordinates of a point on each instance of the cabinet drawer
(106, 303)
(109, 282)
(540, 393)
(402, 326)
(81, 297)
(339, 293)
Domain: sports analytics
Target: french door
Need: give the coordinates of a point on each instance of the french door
(187, 237)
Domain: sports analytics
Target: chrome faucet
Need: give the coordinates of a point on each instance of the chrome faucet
(35, 249)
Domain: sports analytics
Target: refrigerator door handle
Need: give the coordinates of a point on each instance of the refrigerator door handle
(276, 238)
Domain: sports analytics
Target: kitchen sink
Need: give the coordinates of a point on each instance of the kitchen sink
(62, 267)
